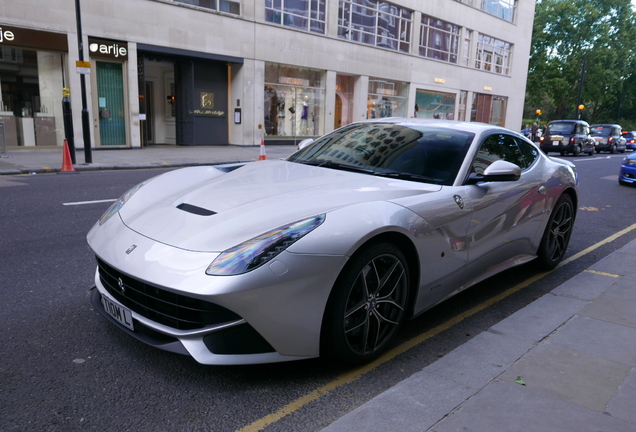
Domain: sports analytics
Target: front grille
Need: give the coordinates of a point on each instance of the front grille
(159, 305)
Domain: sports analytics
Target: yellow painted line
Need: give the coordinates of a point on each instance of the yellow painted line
(354, 374)
(602, 273)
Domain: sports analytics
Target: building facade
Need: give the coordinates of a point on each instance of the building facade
(215, 72)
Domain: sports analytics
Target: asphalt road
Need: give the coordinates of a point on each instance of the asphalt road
(64, 368)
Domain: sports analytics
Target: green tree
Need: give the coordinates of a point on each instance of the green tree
(568, 33)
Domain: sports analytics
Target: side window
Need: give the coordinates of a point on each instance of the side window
(498, 147)
(529, 152)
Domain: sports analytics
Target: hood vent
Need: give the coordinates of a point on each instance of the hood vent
(195, 210)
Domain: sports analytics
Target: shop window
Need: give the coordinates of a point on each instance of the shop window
(30, 100)
(386, 98)
(375, 22)
(439, 39)
(294, 101)
(434, 105)
(307, 15)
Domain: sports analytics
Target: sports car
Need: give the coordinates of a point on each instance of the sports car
(329, 251)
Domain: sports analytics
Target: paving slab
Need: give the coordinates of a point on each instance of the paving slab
(540, 318)
(598, 338)
(503, 406)
(585, 286)
(623, 405)
(572, 376)
(481, 359)
(412, 405)
(618, 310)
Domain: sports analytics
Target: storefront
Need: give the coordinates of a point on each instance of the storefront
(110, 110)
(294, 102)
(32, 77)
(387, 98)
(184, 96)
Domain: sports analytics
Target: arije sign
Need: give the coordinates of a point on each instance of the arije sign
(109, 49)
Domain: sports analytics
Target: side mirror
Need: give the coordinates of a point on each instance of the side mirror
(498, 171)
(304, 143)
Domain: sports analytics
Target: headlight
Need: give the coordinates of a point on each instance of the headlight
(629, 162)
(255, 252)
(117, 205)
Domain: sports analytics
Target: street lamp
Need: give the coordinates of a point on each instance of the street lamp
(580, 109)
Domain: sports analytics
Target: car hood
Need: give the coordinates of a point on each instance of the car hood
(205, 209)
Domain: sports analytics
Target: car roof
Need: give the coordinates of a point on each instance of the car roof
(606, 125)
(474, 127)
(569, 121)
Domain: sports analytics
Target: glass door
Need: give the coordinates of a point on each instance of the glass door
(110, 111)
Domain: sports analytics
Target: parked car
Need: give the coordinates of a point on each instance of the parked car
(329, 251)
(630, 139)
(608, 137)
(567, 136)
(627, 174)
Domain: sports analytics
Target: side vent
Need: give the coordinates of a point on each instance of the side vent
(195, 210)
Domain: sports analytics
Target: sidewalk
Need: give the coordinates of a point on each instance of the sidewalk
(48, 160)
(566, 363)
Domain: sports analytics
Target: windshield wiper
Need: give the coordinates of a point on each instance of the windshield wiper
(337, 165)
(407, 176)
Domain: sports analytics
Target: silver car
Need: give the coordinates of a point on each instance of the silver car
(329, 251)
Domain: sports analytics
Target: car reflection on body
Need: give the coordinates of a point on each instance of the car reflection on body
(329, 251)
(627, 173)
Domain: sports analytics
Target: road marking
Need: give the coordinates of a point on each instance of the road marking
(89, 202)
(602, 273)
(353, 375)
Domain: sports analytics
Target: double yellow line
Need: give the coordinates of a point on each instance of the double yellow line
(354, 374)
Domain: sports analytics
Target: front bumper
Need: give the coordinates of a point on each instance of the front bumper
(276, 309)
(627, 174)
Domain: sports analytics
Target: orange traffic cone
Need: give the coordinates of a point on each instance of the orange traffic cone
(67, 162)
(262, 156)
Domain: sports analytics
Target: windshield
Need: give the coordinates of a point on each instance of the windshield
(561, 128)
(419, 153)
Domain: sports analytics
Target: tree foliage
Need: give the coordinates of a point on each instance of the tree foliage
(570, 33)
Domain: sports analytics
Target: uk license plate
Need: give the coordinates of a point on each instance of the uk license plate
(121, 314)
(556, 143)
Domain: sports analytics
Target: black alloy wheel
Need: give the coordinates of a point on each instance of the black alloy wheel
(556, 236)
(367, 305)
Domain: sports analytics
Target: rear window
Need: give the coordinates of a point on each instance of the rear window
(561, 128)
(601, 130)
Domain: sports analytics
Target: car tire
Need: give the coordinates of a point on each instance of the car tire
(367, 305)
(612, 149)
(576, 150)
(556, 236)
